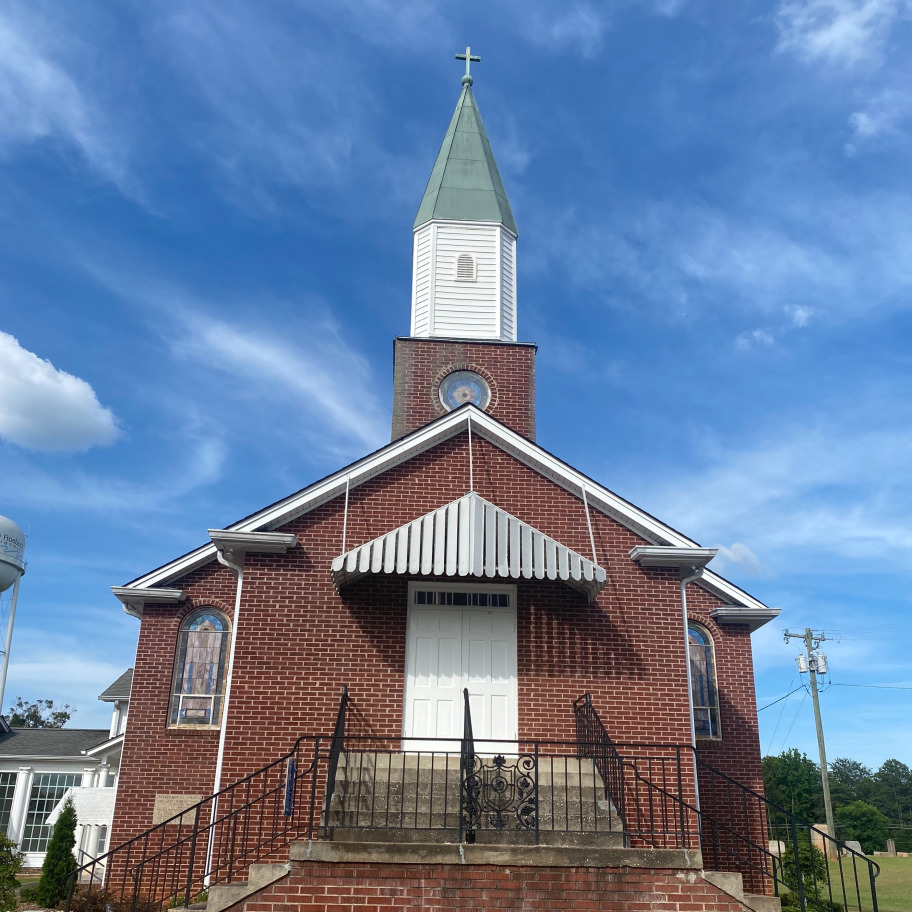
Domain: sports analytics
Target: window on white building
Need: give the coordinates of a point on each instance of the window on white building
(703, 683)
(199, 670)
(7, 788)
(47, 790)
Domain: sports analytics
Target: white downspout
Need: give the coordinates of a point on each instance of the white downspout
(238, 569)
(695, 574)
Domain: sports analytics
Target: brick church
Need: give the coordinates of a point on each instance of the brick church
(455, 673)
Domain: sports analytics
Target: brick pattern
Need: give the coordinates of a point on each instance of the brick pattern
(299, 641)
(420, 364)
(382, 887)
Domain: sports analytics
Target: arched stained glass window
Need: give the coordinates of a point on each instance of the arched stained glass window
(703, 683)
(199, 671)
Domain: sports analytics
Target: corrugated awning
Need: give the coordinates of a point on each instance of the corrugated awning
(469, 537)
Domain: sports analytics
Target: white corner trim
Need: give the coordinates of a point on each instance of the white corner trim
(252, 542)
(663, 556)
(741, 614)
(133, 598)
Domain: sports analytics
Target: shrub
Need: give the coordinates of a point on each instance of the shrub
(59, 862)
(10, 863)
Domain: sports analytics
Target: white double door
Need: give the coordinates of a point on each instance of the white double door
(450, 649)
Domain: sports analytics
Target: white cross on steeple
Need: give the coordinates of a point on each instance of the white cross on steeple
(469, 59)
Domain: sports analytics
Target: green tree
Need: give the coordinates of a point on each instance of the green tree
(10, 863)
(792, 781)
(59, 861)
(893, 791)
(850, 781)
(862, 821)
(40, 714)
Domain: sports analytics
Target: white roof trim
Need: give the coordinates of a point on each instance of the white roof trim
(470, 537)
(445, 427)
(738, 614)
(134, 597)
(253, 542)
(105, 746)
(663, 556)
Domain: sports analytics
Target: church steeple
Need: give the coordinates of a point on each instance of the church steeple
(462, 346)
(465, 184)
(464, 264)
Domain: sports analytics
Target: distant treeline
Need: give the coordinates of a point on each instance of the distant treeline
(870, 806)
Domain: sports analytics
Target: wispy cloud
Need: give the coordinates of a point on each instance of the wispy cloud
(842, 32)
(879, 120)
(805, 495)
(41, 100)
(578, 28)
(47, 409)
(311, 369)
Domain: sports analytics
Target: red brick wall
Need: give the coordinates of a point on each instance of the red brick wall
(319, 887)
(420, 364)
(299, 641)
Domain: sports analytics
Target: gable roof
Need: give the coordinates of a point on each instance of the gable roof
(51, 742)
(465, 184)
(470, 537)
(120, 689)
(443, 428)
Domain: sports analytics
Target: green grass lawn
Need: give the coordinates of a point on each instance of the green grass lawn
(894, 884)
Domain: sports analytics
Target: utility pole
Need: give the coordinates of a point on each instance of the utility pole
(812, 662)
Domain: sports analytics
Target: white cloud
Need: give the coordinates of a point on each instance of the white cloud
(578, 29)
(881, 118)
(810, 496)
(755, 337)
(326, 379)
(846, 32)
(800, 316)
(39, 100)
(46, 409)
(738, 555)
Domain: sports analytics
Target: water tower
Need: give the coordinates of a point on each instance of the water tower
(12, 547)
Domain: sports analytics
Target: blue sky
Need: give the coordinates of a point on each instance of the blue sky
(206, 222)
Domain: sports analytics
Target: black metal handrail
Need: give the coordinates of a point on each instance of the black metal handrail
(595, 744)
(213, 841)
(335, 751)
(469, 811)
(823, 873)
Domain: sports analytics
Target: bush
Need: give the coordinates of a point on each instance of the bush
(29, 893)
(863, 822)
(101, 899)
(59, 862)
(10, 863)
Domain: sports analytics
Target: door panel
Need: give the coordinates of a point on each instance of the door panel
(452, 648)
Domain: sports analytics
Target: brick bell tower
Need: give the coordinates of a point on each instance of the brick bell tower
(462, 346)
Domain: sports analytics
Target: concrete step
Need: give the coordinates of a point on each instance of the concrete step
(221, 896)
(450, 835)
(732, 883)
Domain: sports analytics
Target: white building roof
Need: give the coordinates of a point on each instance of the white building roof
(470, 537)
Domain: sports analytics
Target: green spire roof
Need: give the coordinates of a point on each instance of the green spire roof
(465, 184)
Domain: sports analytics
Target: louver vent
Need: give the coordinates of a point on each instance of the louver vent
(465, 268)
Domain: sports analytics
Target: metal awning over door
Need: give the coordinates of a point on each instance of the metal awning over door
(470, 537)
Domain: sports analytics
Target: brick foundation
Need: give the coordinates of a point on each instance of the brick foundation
(316, 887)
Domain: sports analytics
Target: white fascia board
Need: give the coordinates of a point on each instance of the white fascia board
(664, 556)
(253, 542)
(105, 746)
(134, 597)
(462, 224)
(443, 428)
(741, 614)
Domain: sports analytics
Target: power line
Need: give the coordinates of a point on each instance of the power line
(796, 717)
(880, 686)
(768, 705)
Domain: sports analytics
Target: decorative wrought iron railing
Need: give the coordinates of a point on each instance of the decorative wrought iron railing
(593, 742)
(528, 791)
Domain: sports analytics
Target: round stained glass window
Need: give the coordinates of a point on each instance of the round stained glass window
(464, 386)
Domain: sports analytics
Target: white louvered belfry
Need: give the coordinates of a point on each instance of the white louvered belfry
(464, 281)
(469, 537)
